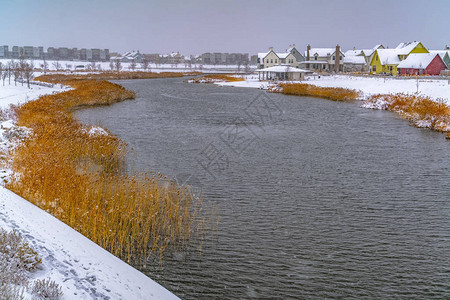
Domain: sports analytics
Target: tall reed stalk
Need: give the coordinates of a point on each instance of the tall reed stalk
(77, 176)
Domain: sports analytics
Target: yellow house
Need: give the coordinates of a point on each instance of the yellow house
(385, 61)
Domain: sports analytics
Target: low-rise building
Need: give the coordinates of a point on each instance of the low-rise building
(421, 64)
(324, 59)
(385, 61)
(291, 57)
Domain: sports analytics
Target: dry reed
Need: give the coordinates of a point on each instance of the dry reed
(420, 110)
(78, 177)
(303, 89)
(216, 78)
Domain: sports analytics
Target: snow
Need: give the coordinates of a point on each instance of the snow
(353, 59)
(406, 48)
(321, 52)
(389, 56)
(283, 68)
(417, 61)
(83, 269)
(11, 94)
(433, 88)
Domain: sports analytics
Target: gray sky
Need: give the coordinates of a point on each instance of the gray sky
(197, 26)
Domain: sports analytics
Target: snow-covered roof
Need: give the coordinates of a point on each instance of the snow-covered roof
(406, 48)
(321, 51)
(263, 54)
(354, 59)
(314, 62)
(440, 52)
(283, 55)
(353, 52)
(388, 56)
(417, 60)
(283, 69)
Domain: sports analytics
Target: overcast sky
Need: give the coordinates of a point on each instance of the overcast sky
(197, 26)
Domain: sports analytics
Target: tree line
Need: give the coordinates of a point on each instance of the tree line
(20, 71)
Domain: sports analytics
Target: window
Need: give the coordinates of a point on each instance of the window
(334, 57)
(275, 61)
(271, 61)
(340, 57)
(374, 68)
(315, 57)
(323, 67)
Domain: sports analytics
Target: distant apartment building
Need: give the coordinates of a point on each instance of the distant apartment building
(53, 53)
(219, 58)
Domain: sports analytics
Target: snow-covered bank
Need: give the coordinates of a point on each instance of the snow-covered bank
(11, 94)
(375, 85)
(82, 268)
(434, 88)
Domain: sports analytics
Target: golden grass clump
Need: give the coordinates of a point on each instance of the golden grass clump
(303, 89)
(421, 110)
(57, 78)
(78, 176)
(216, 78)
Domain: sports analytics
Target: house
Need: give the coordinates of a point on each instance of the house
(355, 61)
(291, 57)
(385, 61)
(324, 59)
(421, 64)
(131, 56)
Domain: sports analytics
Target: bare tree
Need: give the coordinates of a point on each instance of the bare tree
(118, 65)
(145, 63)
(28, 72)
(133, 65)
(111, 65)
(15, 68)
(44, 65)
(2, 70)
(57, 65)
(239, 67)
(21, 66)
(247, 68)
(5, 74)
(92, 65)
(10, 70)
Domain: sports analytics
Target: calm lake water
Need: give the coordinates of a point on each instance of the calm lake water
(316, 199)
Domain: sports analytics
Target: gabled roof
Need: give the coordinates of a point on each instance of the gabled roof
(353, 52)
(406, 48)
(283, 55)
(388, 56)
(418, 60)
(441, 53)
(354, 59)
(264, 54)
(321, 51)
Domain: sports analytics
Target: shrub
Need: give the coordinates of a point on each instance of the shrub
(46, 289)
(17, 259)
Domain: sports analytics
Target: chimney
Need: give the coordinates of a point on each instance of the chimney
(293, 45)
(270, 48)
(308, 48)
(354, 48)
(337, 60)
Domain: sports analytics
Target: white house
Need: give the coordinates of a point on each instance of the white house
(324, 59)
(291, 57)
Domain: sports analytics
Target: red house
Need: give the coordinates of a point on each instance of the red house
(421, 64)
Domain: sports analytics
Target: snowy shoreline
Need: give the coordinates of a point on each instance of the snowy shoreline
(433, 88)
(83, 269)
